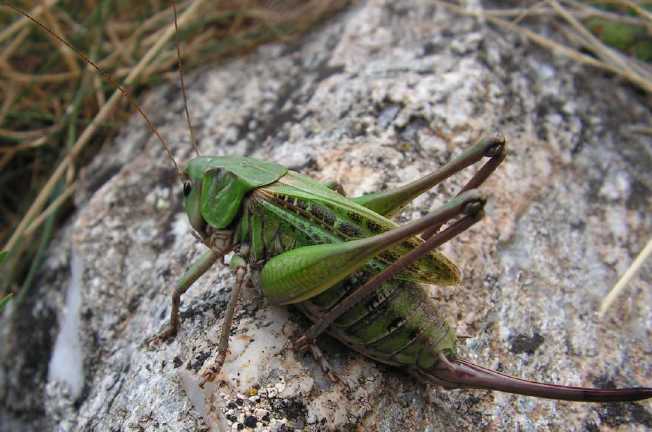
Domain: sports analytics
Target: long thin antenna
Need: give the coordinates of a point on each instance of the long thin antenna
(88, 132)
(193, 140)
(106, 76)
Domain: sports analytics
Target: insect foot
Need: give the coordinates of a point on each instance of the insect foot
(325, 366)
(302, 344)
(164, 336)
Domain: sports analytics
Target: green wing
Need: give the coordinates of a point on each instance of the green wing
(352, 221)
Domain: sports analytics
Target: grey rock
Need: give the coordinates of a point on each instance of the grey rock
(379, 95)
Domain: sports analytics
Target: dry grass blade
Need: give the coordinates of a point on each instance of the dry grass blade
(22, 22)
(627, 68)
(4, 299)
(640, 11)
(50, 209)
(85, 137)
(582, 11)
(572, 12)
(545, 42)
(624, 280)
(41, 79)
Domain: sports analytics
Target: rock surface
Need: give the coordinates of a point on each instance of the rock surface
(379, 95)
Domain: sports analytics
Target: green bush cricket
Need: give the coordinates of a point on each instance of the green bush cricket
(350, 269)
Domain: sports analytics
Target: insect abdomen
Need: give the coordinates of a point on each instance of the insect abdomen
(398, 325)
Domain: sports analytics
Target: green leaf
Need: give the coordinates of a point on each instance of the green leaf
(3, 256)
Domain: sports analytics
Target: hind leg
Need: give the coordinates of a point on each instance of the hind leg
(390, 202)
(467, 205)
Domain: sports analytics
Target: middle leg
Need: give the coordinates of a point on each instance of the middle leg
(242, 274)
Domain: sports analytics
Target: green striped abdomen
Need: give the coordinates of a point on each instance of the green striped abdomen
(398, 325)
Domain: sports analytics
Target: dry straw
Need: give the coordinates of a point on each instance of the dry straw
(53, 106)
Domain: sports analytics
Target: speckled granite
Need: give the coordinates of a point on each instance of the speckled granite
(379, 95)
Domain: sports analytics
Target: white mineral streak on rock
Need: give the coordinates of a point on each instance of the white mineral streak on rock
(67, 356)
(204, 400)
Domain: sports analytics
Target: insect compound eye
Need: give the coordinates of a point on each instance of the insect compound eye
(187, 188)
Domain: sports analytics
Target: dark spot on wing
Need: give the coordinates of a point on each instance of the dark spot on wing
(354, 217)
(301, 204)
(349, 230)
(374, 227)
(323, 215)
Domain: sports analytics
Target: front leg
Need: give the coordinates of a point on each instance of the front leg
(197, 269)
